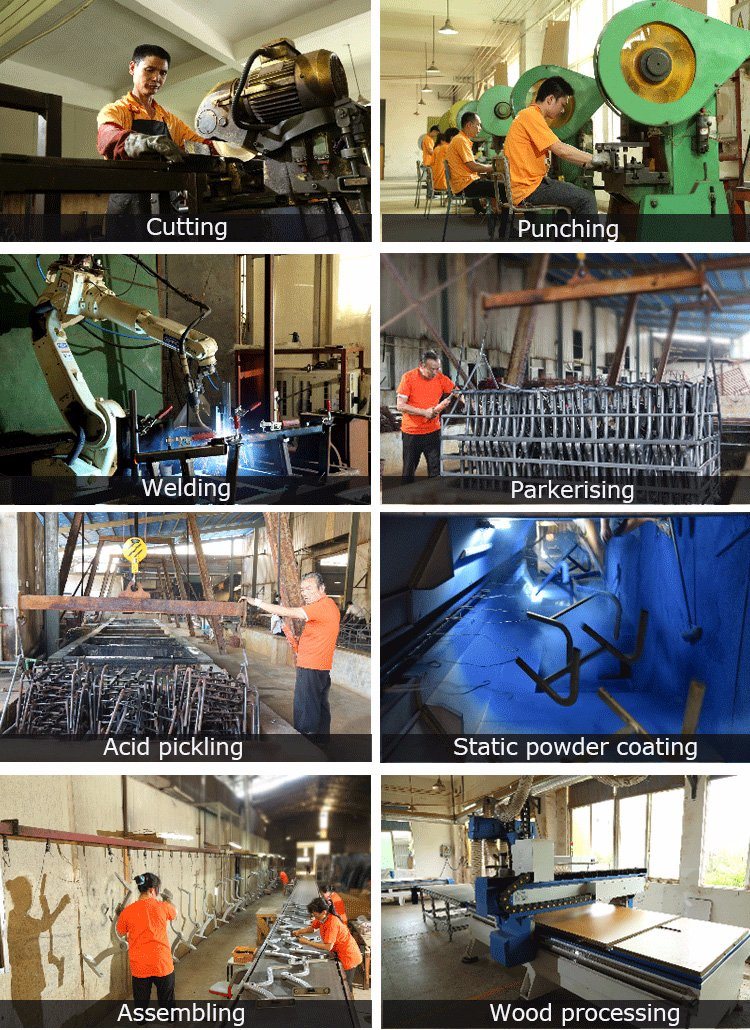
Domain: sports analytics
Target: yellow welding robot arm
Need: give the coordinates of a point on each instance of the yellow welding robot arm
(75, 290)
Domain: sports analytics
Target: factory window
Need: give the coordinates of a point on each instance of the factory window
(396, 850)
(577, 345)
(726, 840)
(665, 834)
(354, 285)
(593, 833)
(631, 832)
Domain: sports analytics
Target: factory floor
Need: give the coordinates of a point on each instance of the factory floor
(397, 198)
(198, 970)
(421, 963)
(350, 712)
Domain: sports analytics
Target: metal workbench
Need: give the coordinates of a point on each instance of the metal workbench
(448, 906)
(286, 971)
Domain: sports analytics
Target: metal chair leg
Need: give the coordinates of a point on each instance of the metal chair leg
(447, 213)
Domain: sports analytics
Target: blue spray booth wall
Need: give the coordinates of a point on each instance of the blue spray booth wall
(404, 540)
(642, 570)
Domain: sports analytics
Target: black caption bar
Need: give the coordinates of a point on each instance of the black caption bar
(565, 747)
(318, 1012)
(279, 747)
(571, 1014)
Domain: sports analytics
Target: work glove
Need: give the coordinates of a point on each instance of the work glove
(138, 144)
(600, 162)
(166, 895)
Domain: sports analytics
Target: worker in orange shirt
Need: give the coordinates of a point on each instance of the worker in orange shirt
(284, 881)
(135, 126)
(466, 173)
(422, 396)
(335, 903)
(144, 924)
(315, 651)
(529, 143)
(335, 937)
(438, 159)
(428, 145)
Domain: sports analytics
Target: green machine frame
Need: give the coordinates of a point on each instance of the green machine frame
(668, 112)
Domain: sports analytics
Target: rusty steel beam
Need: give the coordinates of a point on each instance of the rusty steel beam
(214, 610)
(591, 289)
(70, 546)
(11, 828)
(524, 333)
(208, 590)
(622, 341)
(667, 345)
(179, 576)
(279, 536)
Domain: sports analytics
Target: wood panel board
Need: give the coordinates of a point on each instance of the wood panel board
(690, 945)
(600, 923)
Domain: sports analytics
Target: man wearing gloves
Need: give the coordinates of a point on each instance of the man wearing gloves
(135, 126)
(144, 924)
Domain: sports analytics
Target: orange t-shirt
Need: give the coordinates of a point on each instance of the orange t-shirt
(458, 153)
(318, 640)
(337, 937)
(438, 166)
(128, 109)
(338, 906)
(283, 877)
(428, 149)
(526, 147)
(422, 393)
(145, 924)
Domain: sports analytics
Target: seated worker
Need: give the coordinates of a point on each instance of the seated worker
(421, 399)
(428, 145)
(438, 159)
(144, 924)
(464, 170)
(136, 126)
(335, 936)
(335, 903)
(529, 143)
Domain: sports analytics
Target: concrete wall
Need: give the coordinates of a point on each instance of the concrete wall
(78, 130)
(78, 884)
(350, 669)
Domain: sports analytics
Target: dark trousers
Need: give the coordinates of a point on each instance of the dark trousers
(312, 714)
(414, 446)
(164, 989)
(582, 203)
(479, 188)
(349, 974)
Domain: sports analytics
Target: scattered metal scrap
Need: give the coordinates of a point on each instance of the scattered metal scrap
(81, 699)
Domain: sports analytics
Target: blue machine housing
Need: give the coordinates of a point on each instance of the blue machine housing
(482, 827)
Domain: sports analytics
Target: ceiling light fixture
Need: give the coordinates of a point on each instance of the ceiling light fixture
(427, 88)
(439, 787)
(447, 29)
(433, 69)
